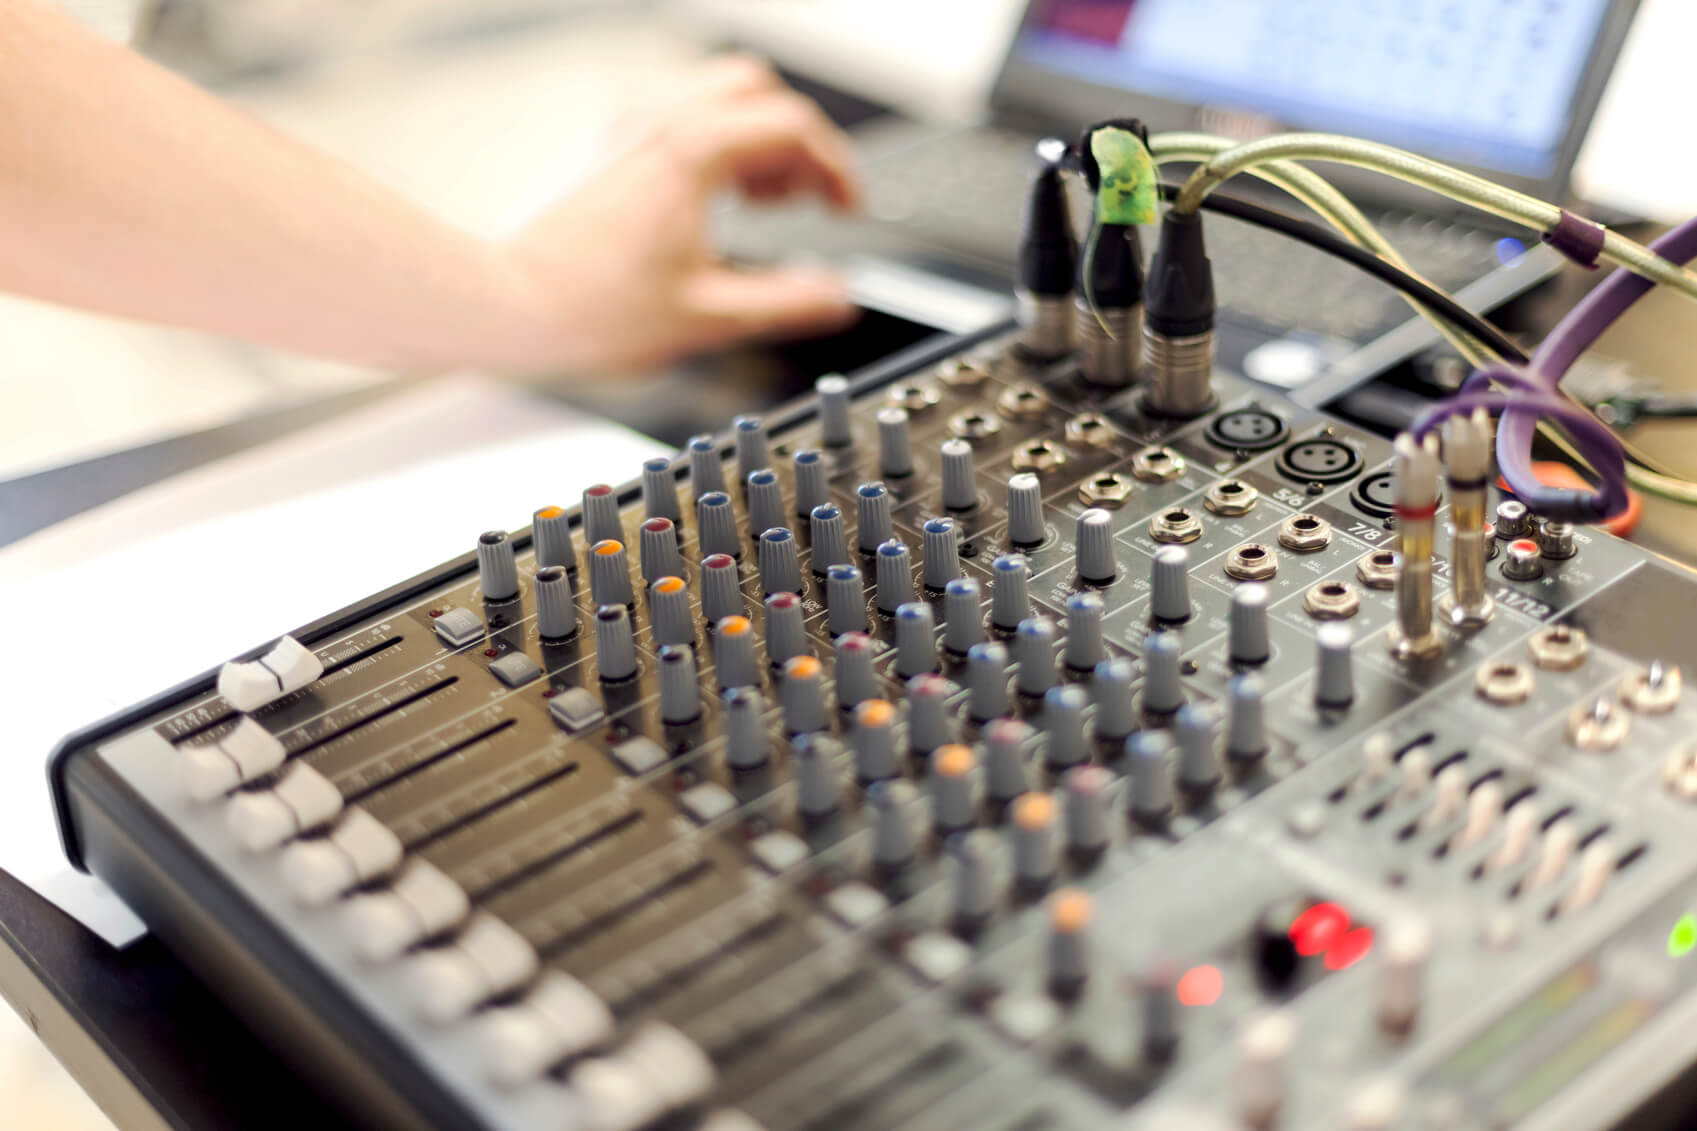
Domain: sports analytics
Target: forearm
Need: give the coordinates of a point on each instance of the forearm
(126, 190)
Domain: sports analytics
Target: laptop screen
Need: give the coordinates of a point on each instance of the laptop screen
(1486, 83)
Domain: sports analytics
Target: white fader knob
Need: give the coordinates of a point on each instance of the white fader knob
(1407, 946)
(251, 684)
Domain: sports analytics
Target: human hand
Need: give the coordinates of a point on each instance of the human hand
(620, 274)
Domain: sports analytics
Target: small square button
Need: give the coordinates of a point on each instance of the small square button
(459, 627)
(515, 669)
(639, 755)
(937, 957)
(707, 801)
(1024, 1017)
(855, 905)
(575, 709)
(778, 851)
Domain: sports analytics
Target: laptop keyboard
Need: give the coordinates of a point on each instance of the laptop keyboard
(959, 191)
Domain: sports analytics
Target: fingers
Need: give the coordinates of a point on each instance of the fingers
(730, 304)
(777, 138)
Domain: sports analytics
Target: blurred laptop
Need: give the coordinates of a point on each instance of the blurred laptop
(1506, 88)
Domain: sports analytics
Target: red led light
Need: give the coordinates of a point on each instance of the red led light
(1200, 985)
(491, 652)
(1350, 949)
(435, 612)
(1316, 929)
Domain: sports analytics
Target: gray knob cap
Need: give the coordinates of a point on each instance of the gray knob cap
(845, 600)
(1025, 510)
(1246, 727)
(815, 768)
(960, 485)
(895, 449)
(497, 568)
(1063, 721)
(1110, 686)
(1163, 689)
(1193, 732)
(745, 729)
(930, 722)
(893, 839)
(551, 537)
(658, 549)
(660, 490)
(680, 694)
(1031, 838)
(765, 501)
(830, 543)
(1084, 648)
(953, 782)
(601, 515)
(895, 575)
(1035, 646)
(780, 563)
(987, 680)
(1085, 792)
(556, 604)
(810, 487)
(615, 644)
(963, 615)
(1010, 591)
(786, 634)
(942, 551)
(874, 740)
(733, 652)
(916, 640)
(1007, 749)
(836, 427)
(1169, 585)
(1248, 635)
(856, 680)
(721, 588)
(609, 574)
(873, 503)
(1334, 679)
(1069, 940)
(750, 437)
(716, 525)
(1148, 765)
(802, 695)
(1095, 542)
(706, 469)
(1157, 993)
(972, 886)
(669, 613)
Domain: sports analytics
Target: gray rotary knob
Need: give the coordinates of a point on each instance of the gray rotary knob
(960, 485)
(601, 515)
(721, 588)
(1334, 680)
(745, 729)
(556, 604)
(972, 887)
(1148, 764)
(1169, 585)
(963, 615)
(1110, 687)
(856, 680)
(930, 722)
(872, 501)
(786, 634)
(680, 694)
(810, 488)
(1095, 543)
(1163, 689)
(830, 543)
(1193, 733)
(845, 600)
(987, 680)
(1032, 822)
(780, 564)
(893, 838)
(668, 610)
(749, 435)
(497, 568)
(1035, 646)
(609, 574)
(706, 469)
(733, 652)
(658, 549)
(895, 448)
(551, 537)
(1085, 796)
(941, 544)
(660, 490)
(802, 695)
(765, 501)
(1246, 726)
(895, 575)
(1010, 591)
(1007, 749)
(1063, 722)
(953, 782)
(1084, 647)
(873, 738)
(1248, 626)
(615, 644)
(716, 525)
(916, 639)
(815, 768)
(1025, 510)
(836, 427)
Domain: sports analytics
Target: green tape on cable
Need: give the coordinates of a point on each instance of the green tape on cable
(1127, 191)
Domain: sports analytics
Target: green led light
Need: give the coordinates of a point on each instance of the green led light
(1683, 938)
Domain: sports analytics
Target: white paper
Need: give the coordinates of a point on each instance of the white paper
(150, 590)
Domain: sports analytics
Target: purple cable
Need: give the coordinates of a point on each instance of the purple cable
(1573, 335)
